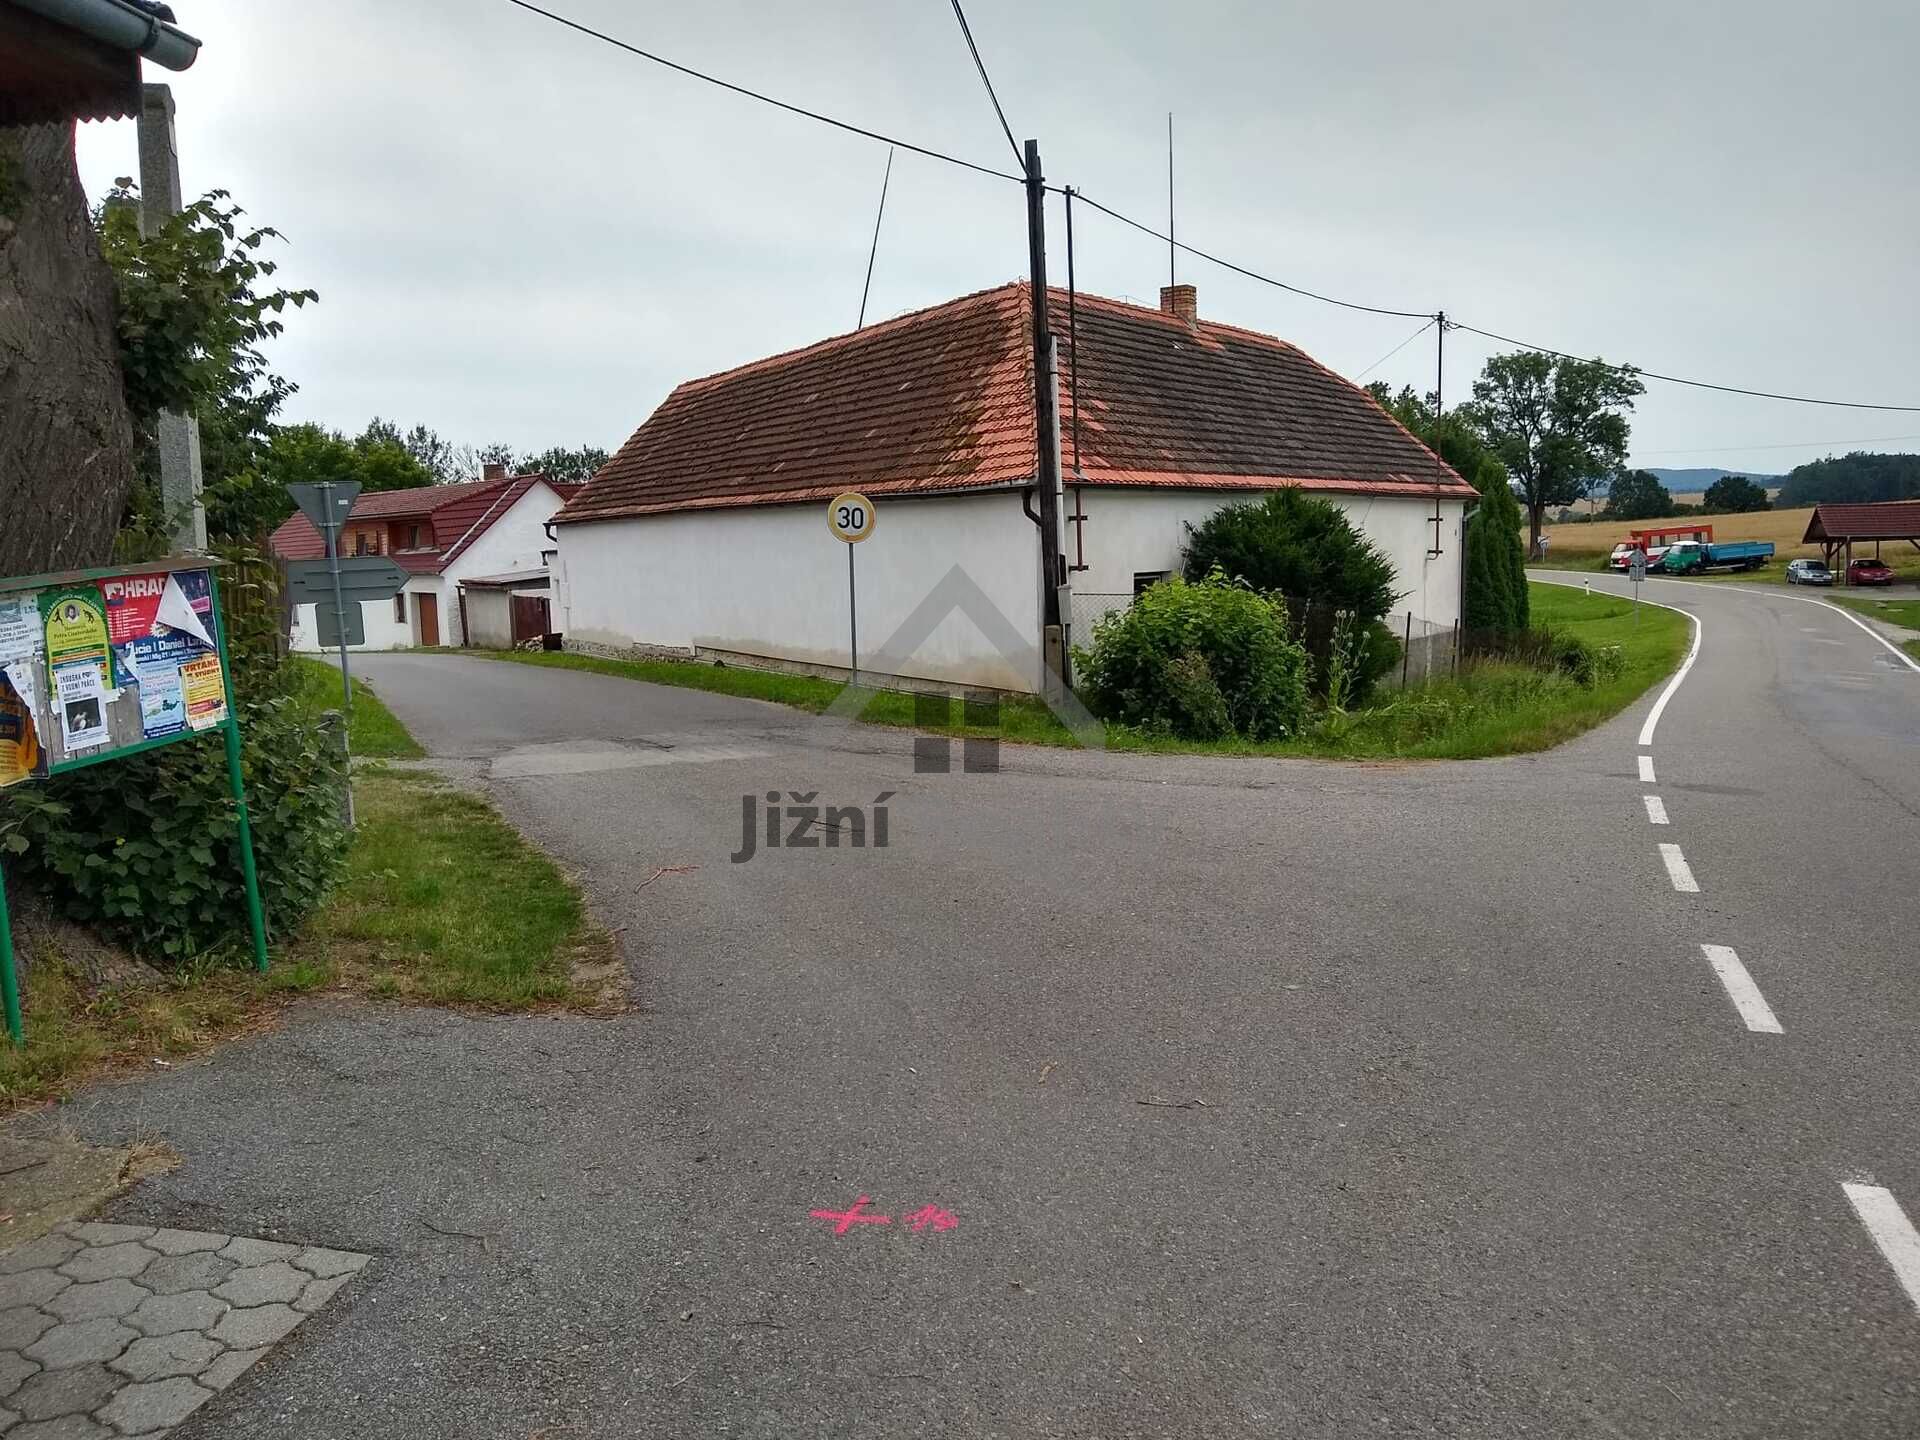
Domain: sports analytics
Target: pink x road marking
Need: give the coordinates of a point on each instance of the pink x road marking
(845, 1220)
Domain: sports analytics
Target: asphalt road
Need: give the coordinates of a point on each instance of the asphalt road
(1231, 1097)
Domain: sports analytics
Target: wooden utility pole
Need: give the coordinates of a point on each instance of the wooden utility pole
(1046, 412)
(178, 435)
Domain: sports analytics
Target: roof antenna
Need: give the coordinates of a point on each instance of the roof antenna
(859, 324)
(1171, 278)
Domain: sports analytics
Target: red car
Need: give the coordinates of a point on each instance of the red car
(1868, 572)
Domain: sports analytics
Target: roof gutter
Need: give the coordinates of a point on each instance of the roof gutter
(122, 26)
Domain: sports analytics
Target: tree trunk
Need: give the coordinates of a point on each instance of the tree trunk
(1536, 520)
(66, 443)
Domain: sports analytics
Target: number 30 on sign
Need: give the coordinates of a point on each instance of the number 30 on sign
(850, 516)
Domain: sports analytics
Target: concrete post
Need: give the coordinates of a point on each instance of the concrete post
(178, 435)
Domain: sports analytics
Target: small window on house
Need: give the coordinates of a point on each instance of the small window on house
(400, 608)
(413, 537)
(365, 544)
(1145, 580)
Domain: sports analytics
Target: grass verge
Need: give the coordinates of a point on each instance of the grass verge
(442, 901)
(1491, 709)
(1895, 612)
(374, 732)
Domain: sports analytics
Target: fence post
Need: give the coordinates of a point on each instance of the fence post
(1456, 647)
(1406, 651)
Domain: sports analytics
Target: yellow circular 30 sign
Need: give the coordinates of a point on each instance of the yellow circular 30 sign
(850, 516)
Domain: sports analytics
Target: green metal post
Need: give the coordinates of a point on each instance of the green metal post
(256, 919)
(9, 982)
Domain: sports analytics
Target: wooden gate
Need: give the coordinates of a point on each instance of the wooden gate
(529, 618)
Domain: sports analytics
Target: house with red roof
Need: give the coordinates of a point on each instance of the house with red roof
(470, 551)
(706, 533)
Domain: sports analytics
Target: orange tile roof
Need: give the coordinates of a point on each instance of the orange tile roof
(941, 400)
(461, 512)
(1865, 520)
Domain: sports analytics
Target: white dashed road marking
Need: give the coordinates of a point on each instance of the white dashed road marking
(1646, 770)
(1660, 705)
(1887, 1223)
(1745, 995)
(1677, 870)
(1656, 809)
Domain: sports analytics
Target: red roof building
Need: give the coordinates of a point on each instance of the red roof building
(941, 401)
(691, 537)
(439, 534)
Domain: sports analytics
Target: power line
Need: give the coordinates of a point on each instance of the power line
(986, 80)
(1395, 350)
(1678, 380)
(801, 110)
(878, 216)
(1144, 229)
(1792, 445)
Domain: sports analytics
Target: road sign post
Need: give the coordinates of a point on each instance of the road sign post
(1637, 572)
(850, 517)
(327, 504)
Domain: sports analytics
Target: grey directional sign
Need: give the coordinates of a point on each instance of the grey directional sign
(362, 577)
(313, 502)
(327, 623)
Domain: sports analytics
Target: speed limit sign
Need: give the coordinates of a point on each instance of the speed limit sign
(850, 516)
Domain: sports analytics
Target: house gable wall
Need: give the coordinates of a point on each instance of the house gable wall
(770, 581)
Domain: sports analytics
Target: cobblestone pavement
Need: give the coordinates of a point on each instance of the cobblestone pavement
(115, 1331)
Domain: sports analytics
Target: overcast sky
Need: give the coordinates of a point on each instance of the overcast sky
(521, 234)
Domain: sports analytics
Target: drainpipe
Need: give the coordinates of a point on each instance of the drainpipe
(122, 26)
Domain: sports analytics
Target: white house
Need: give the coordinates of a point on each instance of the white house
(447, 537)
(707, 533)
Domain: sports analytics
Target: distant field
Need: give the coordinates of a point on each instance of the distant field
(1583, 546)
(1783, 527)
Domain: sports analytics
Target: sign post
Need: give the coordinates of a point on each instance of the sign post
(327, 505)
(850, 517)
(1637, 572)
(97, 665)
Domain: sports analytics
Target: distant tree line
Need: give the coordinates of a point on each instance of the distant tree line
(1852, 478)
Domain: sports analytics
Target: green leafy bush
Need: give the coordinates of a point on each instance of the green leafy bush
(1201, 661)
(1298, 545)
(1584, 662)
(146, 848)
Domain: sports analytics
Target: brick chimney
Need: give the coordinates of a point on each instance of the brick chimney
(496, 470)
(1180, 301)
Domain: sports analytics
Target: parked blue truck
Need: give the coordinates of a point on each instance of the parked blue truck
(1692, 557)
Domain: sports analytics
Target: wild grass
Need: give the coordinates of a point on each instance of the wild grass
(1492, 708)
(374, 732)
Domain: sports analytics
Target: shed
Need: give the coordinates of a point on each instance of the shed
(504, 612)
(1836, 529)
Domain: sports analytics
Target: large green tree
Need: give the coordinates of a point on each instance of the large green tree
(567, 466)
(1734, 495)
(1559, 425)
(195, 301)
(1449, 434)
(1638, 495)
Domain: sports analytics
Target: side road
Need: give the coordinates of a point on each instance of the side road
(1127, 1095)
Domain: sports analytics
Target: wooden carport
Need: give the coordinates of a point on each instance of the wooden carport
(1836, 528)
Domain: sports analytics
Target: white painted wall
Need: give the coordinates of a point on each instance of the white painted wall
(1131, 531)
(514, 541)
(770, 580)
(376, 616)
